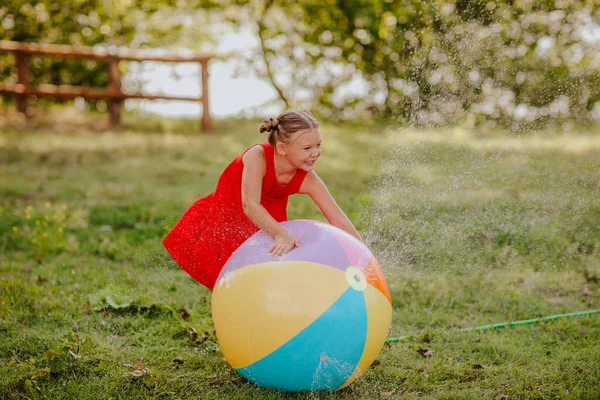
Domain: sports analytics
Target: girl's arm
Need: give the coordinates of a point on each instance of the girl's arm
(254, 170)
(316, 189)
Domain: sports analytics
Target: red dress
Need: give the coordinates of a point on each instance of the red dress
(214, 226)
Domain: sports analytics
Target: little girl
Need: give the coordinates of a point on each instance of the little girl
(252, 194)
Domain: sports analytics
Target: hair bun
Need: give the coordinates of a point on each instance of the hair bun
(269, 125)
(274, 123)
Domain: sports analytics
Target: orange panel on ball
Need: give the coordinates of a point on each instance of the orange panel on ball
(376, 279)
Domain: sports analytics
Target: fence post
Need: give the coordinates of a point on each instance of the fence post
(23, 78)
(114, 89)
(206, 122)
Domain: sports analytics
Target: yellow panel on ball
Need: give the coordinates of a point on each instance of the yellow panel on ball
(255, 308)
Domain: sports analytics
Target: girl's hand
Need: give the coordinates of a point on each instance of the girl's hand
(283, 244)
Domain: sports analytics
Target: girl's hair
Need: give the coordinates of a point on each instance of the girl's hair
(286, 124)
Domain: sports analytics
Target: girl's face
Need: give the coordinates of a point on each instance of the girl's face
(304, 149)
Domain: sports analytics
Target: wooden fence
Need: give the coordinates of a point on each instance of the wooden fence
(112, 94)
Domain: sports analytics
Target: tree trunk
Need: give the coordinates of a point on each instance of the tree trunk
(264, 50)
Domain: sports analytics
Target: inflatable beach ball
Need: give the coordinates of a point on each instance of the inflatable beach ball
(312, 319)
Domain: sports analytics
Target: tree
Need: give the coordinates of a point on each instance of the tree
(432, 62)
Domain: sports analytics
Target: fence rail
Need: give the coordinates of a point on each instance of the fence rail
(113, 94)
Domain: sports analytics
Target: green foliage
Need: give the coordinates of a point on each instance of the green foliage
(83, 23)
(42, 228)
(130, 24)
(61, 359)
(435, 62)
(32, 372)
(520, 63)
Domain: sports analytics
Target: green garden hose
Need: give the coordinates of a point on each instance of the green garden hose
(509, 324)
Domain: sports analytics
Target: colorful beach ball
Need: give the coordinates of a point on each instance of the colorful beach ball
(312, 319)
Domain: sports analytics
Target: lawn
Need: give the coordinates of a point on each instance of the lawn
(472, 227)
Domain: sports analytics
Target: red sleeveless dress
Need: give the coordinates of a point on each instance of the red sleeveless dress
(214, 226)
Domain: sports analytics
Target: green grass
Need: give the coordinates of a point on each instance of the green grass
(471, 228)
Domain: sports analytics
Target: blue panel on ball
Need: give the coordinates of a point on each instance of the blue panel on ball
(322, 356)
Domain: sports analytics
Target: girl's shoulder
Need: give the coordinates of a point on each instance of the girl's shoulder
(256, 155)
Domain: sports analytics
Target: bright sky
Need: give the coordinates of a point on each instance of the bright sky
(227, 95)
